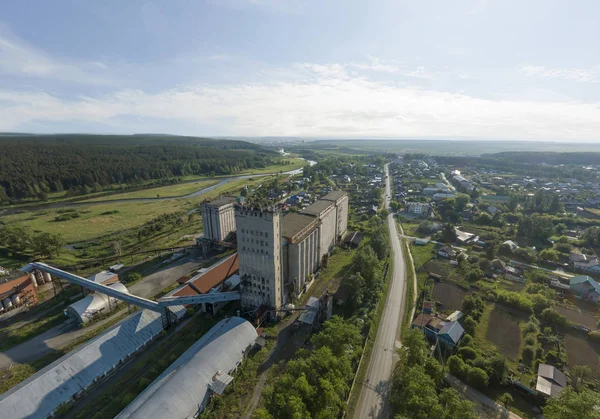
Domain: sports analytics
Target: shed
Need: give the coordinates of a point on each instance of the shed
(550, 380)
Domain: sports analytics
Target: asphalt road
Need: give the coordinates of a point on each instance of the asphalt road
(372, 401)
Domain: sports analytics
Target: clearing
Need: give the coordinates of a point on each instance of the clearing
(581, 351)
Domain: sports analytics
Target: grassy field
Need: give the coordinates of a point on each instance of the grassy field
(105, 219)
(179, 189)
(421, 254)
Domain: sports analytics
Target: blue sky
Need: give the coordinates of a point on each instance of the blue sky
(481, 69)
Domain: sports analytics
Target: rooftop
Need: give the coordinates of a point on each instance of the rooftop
(212, 277)
(550, 380)
(334, 195)
(224, 200)
(182, 390)
(15, 281)
(317, 208)
(293, 225)
(104, 277)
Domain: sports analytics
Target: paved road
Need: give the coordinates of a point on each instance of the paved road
(64, 334)
(372, 401)
(486, 406)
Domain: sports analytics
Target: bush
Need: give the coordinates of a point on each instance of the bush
(531, 327)
(528, 354)
(467, 353)
(456, 366)
(467, 340)
(469, 325)
(551, 316)
(135, 276)
(477, 378)
(530, 340)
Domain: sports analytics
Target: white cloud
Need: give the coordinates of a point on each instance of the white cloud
(20, 59)
(581, 75)
(377, 64)
(321, 100)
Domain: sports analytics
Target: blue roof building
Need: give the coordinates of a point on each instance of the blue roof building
(448, 332)
(585, 287)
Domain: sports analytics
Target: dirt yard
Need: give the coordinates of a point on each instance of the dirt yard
(450, 295)
(504, 332)
(581, 351)
(577, 316)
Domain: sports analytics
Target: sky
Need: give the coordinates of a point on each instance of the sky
(480, 69)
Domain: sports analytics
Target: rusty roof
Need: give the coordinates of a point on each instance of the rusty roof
(8, 286)
(212, 277)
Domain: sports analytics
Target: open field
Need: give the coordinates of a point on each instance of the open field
(498, 329)
(580, 351)
(577, 316)
(99, 220)
(449, 295)
(504, 332)
(421, 254)
(178, 189)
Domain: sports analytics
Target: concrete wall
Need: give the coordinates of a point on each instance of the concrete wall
(259, 250)
(342, 216)
(327, 231)
(218, 222)
(303, 260)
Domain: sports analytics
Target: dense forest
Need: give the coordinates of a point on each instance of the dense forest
(33, 166)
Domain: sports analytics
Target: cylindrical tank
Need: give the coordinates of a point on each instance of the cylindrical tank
(7, 303)
(33, 279)
(16, 299)
(48, 277)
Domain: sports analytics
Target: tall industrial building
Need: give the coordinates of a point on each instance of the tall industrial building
(218, 218)
(279, 255)
(259, 250)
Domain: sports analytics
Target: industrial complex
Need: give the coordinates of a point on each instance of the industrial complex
(276, 261)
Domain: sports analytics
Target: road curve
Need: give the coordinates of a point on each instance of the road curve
(372, 401)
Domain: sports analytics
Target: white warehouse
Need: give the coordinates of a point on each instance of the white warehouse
(183, 390)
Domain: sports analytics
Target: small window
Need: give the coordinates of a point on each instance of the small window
(261, 234)
(267, 235)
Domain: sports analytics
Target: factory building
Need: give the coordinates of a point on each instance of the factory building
(70, 376)
(340, 198)
(17, 288)
(218, 218)
(279, 255)
(259, 249)
(220, 277)
(183, 390)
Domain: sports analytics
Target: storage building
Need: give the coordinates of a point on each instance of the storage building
(184, 388)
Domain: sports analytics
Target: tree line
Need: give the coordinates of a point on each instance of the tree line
(30, 169)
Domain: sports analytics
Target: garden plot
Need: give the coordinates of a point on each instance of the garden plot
(580, 351)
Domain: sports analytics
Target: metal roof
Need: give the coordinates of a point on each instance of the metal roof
(103, 277)
(220, 382)
(308, 316)
(43, 392)
(552, 373)
(454, 330)
(182, 390)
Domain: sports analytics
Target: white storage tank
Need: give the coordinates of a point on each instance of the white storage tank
(48, 277)
(7, 303)
(16, 299)
(33, 279)
(84, 310)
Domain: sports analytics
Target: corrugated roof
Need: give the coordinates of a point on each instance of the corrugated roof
(454, 330)
(224, 200)
(211, 278)
(8, 287)
(552, 373)
(104, 277)
(308, 316)
(294, 224)
(318, 207)
(43, 392)
(182, 390)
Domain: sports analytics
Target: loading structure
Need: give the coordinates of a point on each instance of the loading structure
(162, 306)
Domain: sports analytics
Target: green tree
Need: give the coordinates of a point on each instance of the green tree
(571, 404)
(550, 255)
(506, 399)
(580, 373)
(449, 233)
(477, 378)
(456, 407)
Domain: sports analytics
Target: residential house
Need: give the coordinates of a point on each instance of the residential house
(447, 332)
(550, 380)
(492, 209)
(511, 245)
(447, 252)
(585, 287)
(463, 236)
(418, 208)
